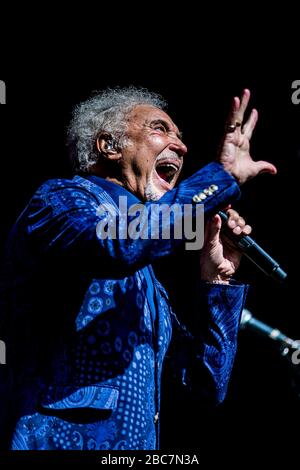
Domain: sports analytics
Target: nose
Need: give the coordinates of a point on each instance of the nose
(178, 146)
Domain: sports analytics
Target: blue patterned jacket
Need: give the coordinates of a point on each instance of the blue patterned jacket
(87, 324)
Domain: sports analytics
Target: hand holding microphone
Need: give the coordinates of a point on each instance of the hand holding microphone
(253, 251)
(219, 257)
(219, 260)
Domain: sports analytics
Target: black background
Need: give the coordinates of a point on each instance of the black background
(261, 411)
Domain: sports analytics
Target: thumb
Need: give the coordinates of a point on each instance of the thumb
(212, 229)
(265, 167)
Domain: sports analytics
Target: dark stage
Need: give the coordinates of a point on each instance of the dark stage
(262, 410)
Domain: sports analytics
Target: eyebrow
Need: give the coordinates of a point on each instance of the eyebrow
(167, 126)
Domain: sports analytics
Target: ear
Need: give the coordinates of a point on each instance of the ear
(107, 146)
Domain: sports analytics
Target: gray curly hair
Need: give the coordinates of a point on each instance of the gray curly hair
(106, 111)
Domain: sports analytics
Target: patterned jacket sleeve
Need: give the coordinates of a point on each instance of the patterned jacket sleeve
(63, 217)
(202, 362)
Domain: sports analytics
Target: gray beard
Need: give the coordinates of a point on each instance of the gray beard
(150, 193)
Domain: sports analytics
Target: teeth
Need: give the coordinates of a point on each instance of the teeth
(170, 165)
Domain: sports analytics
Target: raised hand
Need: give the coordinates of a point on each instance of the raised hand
(235, 150)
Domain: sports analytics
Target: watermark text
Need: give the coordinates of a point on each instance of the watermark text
(152, 221)
(2, 92)
(296, 93)
(2, 352)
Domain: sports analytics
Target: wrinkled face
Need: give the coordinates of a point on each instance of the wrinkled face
(152, 157)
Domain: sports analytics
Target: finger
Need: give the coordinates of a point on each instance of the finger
(232, 213)
(237, 230)
(244, 229)
(233, 111)
(232, 223)
(238, 109)
(233, 218)
(241, 222)
(264, 167)
(212, 229)
(243, 106)
(247, 230)
(249, 126)
(216, 224)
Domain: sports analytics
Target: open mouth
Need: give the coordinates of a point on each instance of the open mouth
(167, 170)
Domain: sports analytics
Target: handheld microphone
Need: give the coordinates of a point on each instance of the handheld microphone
(255, 253)
(248, 321)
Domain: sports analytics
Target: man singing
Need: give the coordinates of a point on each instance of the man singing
(86, 322)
